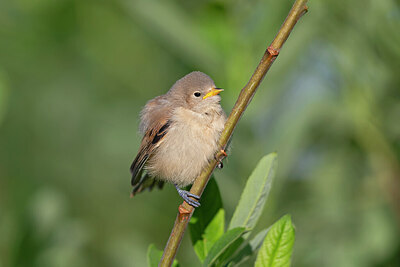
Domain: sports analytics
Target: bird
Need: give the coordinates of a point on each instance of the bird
(180, 135)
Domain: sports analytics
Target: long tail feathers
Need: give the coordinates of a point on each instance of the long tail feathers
(146, 182)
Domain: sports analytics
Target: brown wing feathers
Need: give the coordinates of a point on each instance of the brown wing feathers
(150, 141)
(138, 164)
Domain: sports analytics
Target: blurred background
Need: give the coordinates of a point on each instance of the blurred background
(74, 76)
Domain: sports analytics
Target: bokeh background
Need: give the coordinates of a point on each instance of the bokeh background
(74, 75)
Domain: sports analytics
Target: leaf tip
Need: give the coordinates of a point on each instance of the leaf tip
(273, 156)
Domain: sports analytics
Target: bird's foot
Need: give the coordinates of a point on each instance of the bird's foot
(220, 164)
(186, 195)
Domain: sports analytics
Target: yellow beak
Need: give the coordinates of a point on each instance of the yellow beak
(213, 92)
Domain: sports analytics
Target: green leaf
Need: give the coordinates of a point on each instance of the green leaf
(256, 242)
(255, 193)
(249, 249)
(208, 221)
(223, 244)
(154, 256)
(227, 255)
(214, 230)
(276, 249)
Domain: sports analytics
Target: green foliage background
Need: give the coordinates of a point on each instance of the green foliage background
(75, 74)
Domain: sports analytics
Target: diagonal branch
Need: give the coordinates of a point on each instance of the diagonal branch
(247, 93)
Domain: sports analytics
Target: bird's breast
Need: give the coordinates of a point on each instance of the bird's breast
(190, 144)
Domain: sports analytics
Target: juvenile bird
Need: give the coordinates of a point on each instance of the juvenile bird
(180, 135)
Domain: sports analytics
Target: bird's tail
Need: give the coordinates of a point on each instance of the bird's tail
(146, 182)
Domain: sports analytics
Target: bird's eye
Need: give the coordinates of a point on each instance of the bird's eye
(197, 94)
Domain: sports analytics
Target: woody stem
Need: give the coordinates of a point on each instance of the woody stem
(245, 96)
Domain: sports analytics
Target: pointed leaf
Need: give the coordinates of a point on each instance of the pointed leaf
(276, 249)
(255, 193)
(223, 244)
(208, 221)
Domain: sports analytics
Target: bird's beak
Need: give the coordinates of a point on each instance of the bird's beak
(213, 92)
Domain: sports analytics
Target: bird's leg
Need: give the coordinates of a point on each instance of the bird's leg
(186, 196)
(219, 159)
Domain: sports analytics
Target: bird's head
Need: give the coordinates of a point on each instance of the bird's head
(197, 92)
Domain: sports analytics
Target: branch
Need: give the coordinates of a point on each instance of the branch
(247, 93)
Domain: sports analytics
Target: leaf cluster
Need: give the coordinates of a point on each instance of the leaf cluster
(216, 246)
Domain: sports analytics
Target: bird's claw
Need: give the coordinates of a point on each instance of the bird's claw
(187, 196)
(220, 165)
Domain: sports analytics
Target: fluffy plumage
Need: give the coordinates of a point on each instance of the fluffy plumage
(180, 133)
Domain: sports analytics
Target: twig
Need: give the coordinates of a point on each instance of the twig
(247, 93)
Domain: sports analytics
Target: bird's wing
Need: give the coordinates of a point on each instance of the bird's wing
(152, 138)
